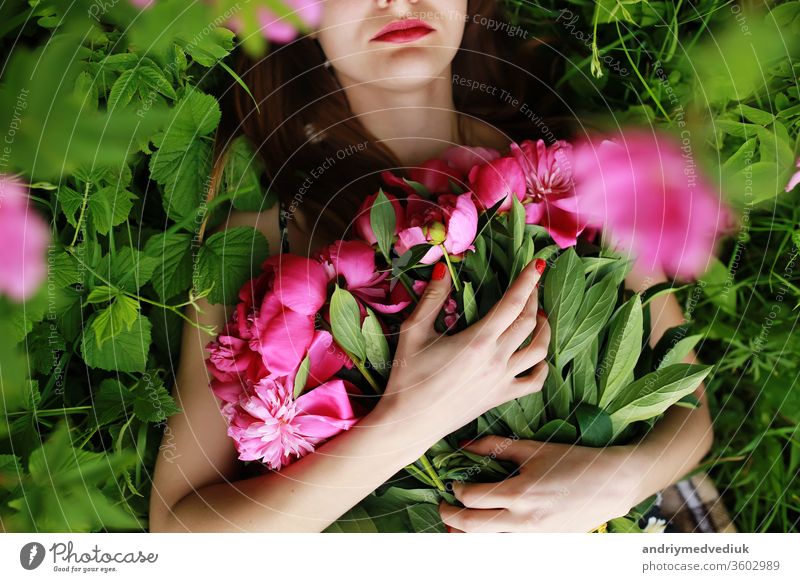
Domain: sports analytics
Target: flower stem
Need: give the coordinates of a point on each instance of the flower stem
(404, 279)
(452, 270)
(364, 372)
(432, 472)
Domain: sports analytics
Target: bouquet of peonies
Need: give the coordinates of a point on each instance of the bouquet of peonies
(311, 342)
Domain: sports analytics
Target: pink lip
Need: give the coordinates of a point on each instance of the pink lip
(401, 31)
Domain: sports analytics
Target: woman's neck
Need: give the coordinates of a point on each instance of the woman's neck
(416, 124)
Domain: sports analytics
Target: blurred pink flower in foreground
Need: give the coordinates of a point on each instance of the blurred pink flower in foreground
(549, 198)
(795, 179)
(280, 29)
(24, 237)
(651, 201)
(274, 27)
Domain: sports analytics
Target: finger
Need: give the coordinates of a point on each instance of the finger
(529, 383)
(534, 352)
(475, 520)
(483, 495)
(513, 301)
(523, 325)
(504, 448)
(430, 304)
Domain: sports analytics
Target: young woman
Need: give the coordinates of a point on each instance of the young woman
(387, 85)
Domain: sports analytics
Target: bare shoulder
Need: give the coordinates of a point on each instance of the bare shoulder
(195, 450)
(265, 221)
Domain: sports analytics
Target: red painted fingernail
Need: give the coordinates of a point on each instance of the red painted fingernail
(439, 271)
(449, 529)
(463, 443)
(539, 265)
(541, 312)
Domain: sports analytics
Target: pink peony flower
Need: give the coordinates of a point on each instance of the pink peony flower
(363, 224)
(435, 175)
(463, 158)
(354, 263)
(24, 237)
(280, 29)
(795, 179)
(270, 426)
(549, 198)
(498, 181)
(450, 222)
(650, 201)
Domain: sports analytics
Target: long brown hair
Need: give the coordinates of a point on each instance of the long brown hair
(303, 116)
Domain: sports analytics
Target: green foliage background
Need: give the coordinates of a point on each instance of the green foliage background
(110, 115)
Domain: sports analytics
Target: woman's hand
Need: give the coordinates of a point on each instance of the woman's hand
(440, 382)
(559, 488)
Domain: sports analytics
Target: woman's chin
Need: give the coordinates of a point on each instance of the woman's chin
(409, 68)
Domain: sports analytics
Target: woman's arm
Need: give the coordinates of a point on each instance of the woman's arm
(577, 488)
(196, 485)
(446, 387)
(307, 495)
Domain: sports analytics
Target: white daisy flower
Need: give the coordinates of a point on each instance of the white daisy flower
(655, 525)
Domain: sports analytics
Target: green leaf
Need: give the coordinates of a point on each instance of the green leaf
(346, 323)
(62, 269)
(129, 269)
(156, 81)
(116, 318)
(513, 416)
(172, 254)
(152, 401)
(595, 425)
(125, 352)
(109, 207)
(182, 163)
(680, 350)
(69, 201)
(301, 377)
(532, 408)
(111, 400)
(522, 257)
(622, 350)
(563, 294)
(425, 518)
(557, 393)
(242, 177)
(717, 286)
(227, 261)
(558, 431)
(377, 348)
(517, 225)
(623, 525)
(101, 294)
(123, 89)
(584, 381)
(383, 222)
(593, 314)
(470, 306)
(356, 520)
(652, 394)
(756, 115)
(209, 48)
